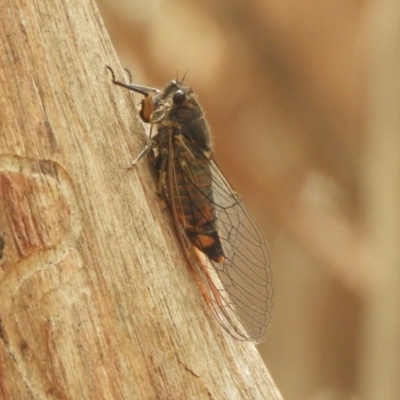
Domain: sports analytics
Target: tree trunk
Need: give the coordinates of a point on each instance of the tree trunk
(96, 300)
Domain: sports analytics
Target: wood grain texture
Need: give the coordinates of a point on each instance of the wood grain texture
(96, 299)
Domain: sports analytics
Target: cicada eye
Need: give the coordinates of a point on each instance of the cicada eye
(179, 97)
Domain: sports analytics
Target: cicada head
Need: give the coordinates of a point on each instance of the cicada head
(177, 105)
(182, 102)
(175, 102)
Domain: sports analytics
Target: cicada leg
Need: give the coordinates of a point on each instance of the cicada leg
(163, 171)
(147, 106)
(144, 90)
(149, 146)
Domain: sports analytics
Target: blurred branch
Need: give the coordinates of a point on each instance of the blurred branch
(381, 183)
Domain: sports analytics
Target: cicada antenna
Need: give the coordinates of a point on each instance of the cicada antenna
(184, 76)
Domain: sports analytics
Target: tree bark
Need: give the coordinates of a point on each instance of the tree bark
(96, 300)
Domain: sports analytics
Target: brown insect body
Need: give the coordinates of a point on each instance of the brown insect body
(183, 134)
(221, 241)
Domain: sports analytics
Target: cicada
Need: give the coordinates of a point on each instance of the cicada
(222, 243)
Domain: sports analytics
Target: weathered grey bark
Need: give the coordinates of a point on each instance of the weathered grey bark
(96, 300)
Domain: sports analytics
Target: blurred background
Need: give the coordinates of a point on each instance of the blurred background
(303, 101)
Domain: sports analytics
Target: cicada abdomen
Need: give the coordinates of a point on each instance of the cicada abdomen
(194, 201)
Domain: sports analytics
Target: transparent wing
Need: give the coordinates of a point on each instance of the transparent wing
(239, 289)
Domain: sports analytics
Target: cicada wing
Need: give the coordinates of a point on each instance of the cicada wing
(239, 288)
(246, 274)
